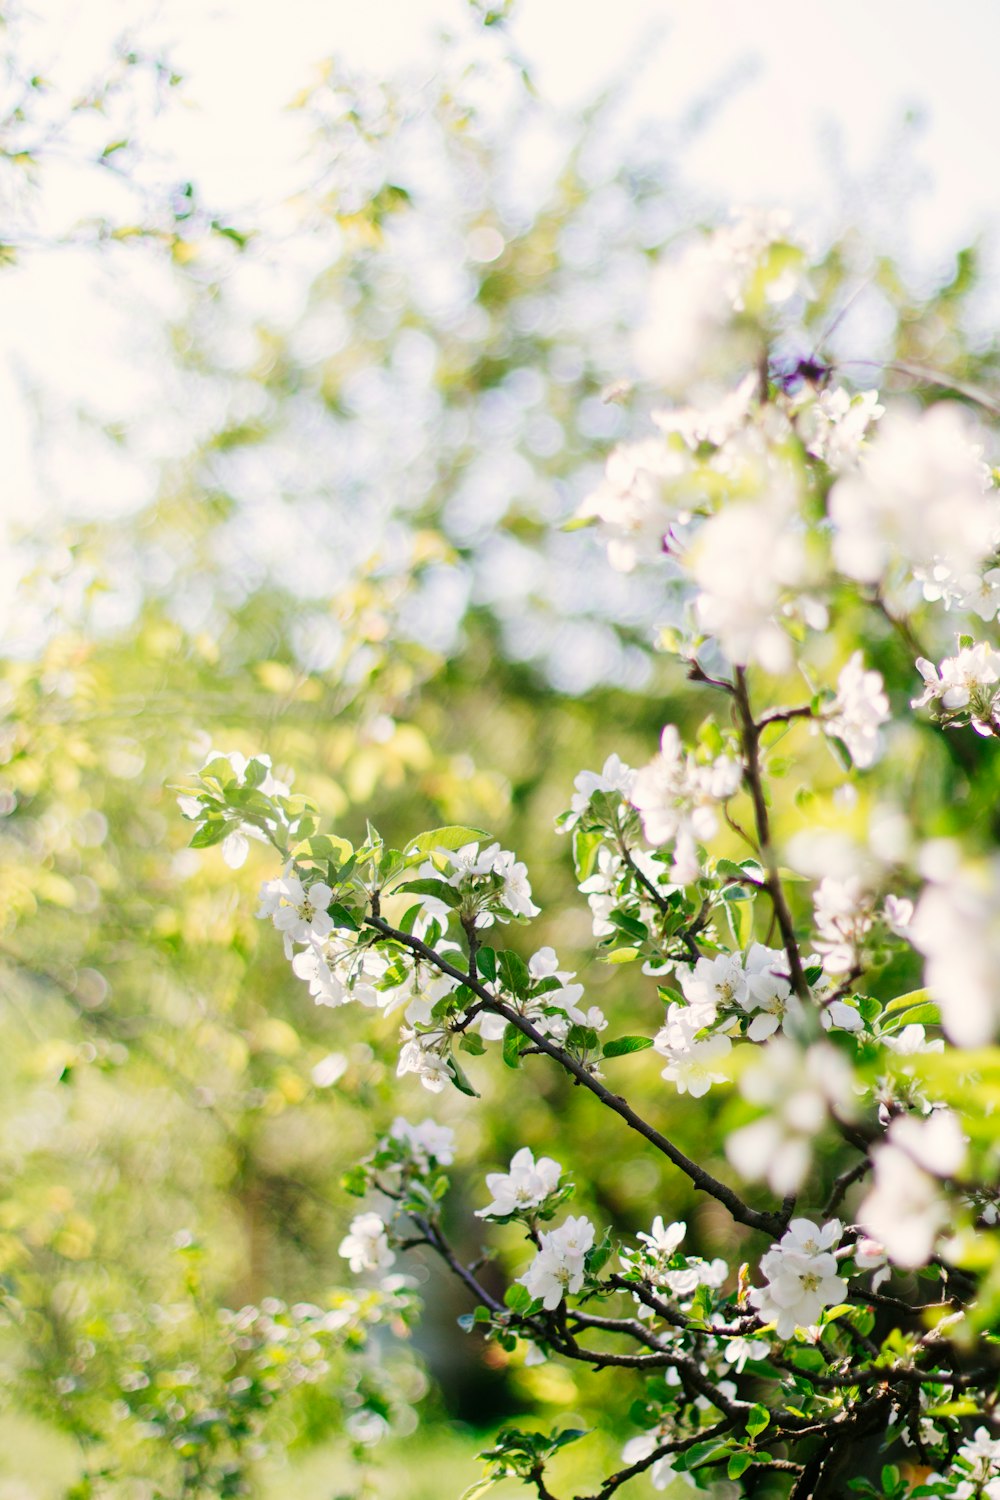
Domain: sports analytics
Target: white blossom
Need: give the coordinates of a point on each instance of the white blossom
(905, 1209)
(636, 501)
(966, 681)
(836, 424)
(843, 913)
(956, 926)
(366, 1246)
(714, 982)
(870, 1255)
(696, 1067)
(426, 1142)
(424, 1053)
(982, 1453)
(677, 797)
(615, 776)
(558, 1268)
(689, 328)
(858, 711)
(799, 1088)
(718, 423)
(525, 1186)
(298, 912)
(919, 494)
(801, 1276)
(663, 1239)
(516, 893)
(745, 560)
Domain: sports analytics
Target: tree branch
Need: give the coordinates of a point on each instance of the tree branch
(767, 1221)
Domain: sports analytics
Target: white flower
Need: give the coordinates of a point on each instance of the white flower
(744, 560)
(770, 995)
(516, 893)
(300, 914)
(858, 711)
(558, 1268)
(980, 594)
(718, 423)
(919, 494)
(638, 500)
(843, 915)
(422, 1053)
(427, 1142)
(545, 965)
(526, 1185)
(714, 982)
(676, 797)
(956, 926)
(467, 862)
(898, 912)
(836, 423)
(983, 1453)
(911, 1041)
(905, 1209)
(615, 776)
(807, 1238)
(695, 1069)
(801, 1276)
(870, 1255)
(663, 1240)
(366, 1246)
(966, 681)
(689, 328)
(315, 964)
(737, 1350)
(799, 1089)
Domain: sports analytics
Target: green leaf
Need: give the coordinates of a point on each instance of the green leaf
(212, 832)
(569, 1435)
(911, 998)
(621, 1045)
(480, 1487)
(343, 917)
(514, 1043)
(486, 963)
(472, 1043)
(355, 1181)
(738, 1464)
(758, 1419)
(438, 888)
(459, 1079)
(518, 1299)
(629, 925)
(700, 1453)
(514, 973)
(453, 836)
(924, 1015)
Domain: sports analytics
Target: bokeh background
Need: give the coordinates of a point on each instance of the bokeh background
(305, 319)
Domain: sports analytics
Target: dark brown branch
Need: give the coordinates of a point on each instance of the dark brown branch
(752, 775)
(842, 1183)
(766, 1221)
(675, 1445)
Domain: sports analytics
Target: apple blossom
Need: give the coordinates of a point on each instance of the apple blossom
(366, 1246)
(525, 1186)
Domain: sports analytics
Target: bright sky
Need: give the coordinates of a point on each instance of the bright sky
(852, 68)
